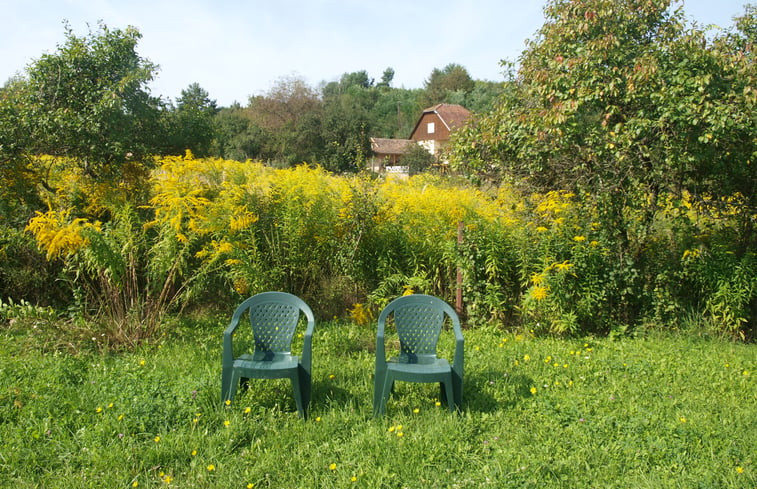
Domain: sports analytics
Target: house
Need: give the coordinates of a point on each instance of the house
(432, 131)
(387, 154)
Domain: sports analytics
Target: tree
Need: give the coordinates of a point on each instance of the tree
(614, 98)
(89, 101)
(441, 83)
(192, 121)
(386, 78)
(289, 115)
(237, 138)
(418, 159)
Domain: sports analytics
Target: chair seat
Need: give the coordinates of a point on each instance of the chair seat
(436, 367)
(278, 362)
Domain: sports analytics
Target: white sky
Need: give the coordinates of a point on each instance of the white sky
(235, 49)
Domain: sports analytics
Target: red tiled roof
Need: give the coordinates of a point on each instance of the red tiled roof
(390, 146)
(452, 115)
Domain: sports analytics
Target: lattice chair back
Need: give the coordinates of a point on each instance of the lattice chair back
(418, 327)
(273, 325)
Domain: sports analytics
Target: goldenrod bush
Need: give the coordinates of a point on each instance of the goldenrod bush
(199, 232)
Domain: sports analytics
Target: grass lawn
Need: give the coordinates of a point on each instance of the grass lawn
(660, 411)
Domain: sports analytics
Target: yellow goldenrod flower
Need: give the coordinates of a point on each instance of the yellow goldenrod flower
(539, 293)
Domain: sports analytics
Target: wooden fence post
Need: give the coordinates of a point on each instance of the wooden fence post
(459, 287)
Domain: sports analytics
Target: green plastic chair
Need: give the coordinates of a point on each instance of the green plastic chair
(418, 319)
(273, 317)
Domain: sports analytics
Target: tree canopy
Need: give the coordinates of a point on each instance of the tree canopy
(89, 100)
(615, 97)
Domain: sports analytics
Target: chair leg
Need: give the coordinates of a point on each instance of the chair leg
(229, 389)
(298, 395)
(226, 375)
(457, 388)
(306, 383)
(378, 392)
(386, 392)
(448, 394)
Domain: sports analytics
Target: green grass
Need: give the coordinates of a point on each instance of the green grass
(655, 412)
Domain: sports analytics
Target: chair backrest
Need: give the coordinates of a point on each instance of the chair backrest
(418, 319)
(273, 318)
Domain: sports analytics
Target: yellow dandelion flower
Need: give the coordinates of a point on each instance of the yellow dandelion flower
(98, 410)
(250, 485)
(400, 434)
(437, 404)
(533, 391)
(332, 467)
(682, 419)
(353, 479)
(740, 470)
(247, 410)
(228, 402)
(416, 411)
(156, 439)
(194, 453)
(227, 423)
(579, 239)
(135, 484)
(211, 468)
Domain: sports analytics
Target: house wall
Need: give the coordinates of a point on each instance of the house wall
(441, 133)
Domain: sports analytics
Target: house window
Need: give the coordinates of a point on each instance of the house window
(430, 128)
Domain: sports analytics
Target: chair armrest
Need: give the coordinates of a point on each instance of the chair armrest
(228, 334)
(459, 360)
(380, 347)
(307, 345)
